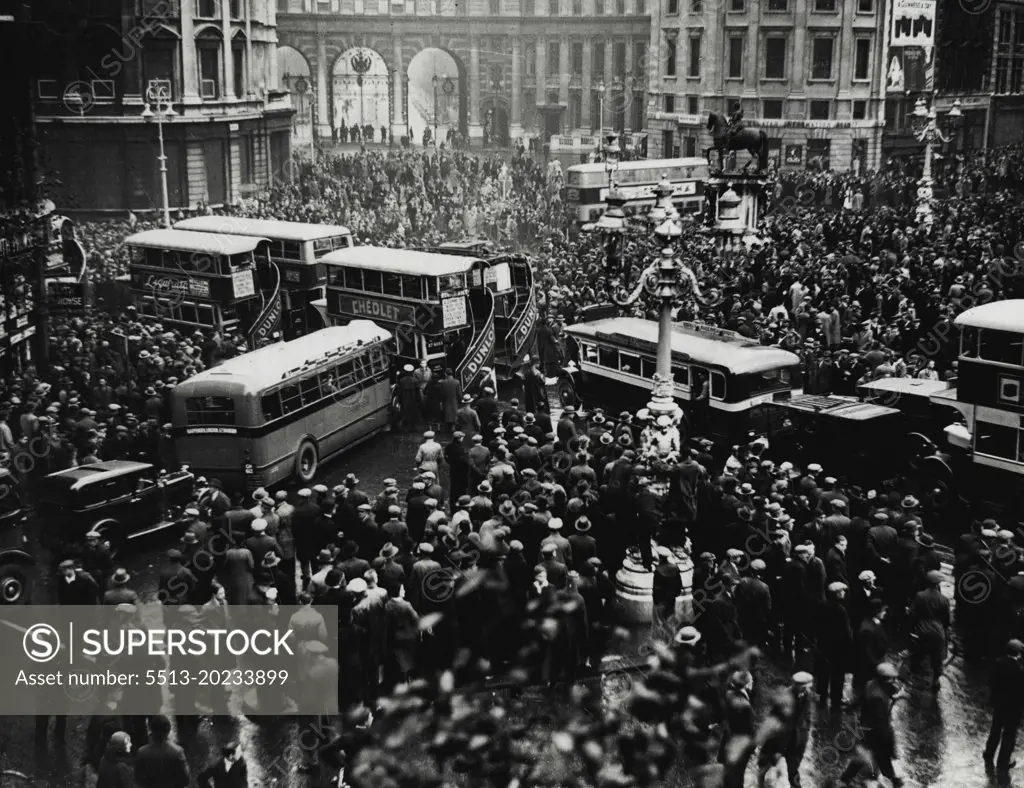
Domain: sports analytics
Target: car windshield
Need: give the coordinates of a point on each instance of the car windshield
(56, 491)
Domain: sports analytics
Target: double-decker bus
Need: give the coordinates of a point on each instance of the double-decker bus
(296, 273)
(196, 279)
(587, 185)
(983, 459)
(614, 360)
(281, 411)
(510, 278)
(440, 307)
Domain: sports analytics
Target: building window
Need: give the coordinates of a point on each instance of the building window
(821, 110)
(860, 110)
(670, 57)
(247, 159)
(282, 6)
(529, 8)
(673, 6)
(236, 9)
(552, 7)
(598, 7)
(821, 58)
(575, 110)
(692, 106)
(771, 109)
(238, 67)
(861, 58)
(668, 144)
(640, 65)
(865, 6)
(620, 7)
(689, 145)
(207, 9)
(576, 59)
(554, 56)
(775, 58)
(736, 57)
(818, 154)
(695, 55)
(738, 6)
(577, 8)
(670, 103)
(495, 7)
(641, 7)
(696, 6)
(619, 59)
(597, 61)
(824, 6)
(209, 70)
(778, 5)
(530, 60)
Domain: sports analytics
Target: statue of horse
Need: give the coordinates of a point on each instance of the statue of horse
(753, 142)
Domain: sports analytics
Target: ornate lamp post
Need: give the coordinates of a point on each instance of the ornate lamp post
(612, 152)
(361, 64)
(668, 280)
(926, 129)
(435, 81)
(956, 117)
(159, 95)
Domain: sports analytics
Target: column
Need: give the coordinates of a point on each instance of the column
(227, 56)
(751, 63)
(563, 82)
(476, 130)
(588, 62)
(627, 88)
(323, 123)
(542, 73)
(796, 55)
(189, 56)
(516, 121)
(398, 129)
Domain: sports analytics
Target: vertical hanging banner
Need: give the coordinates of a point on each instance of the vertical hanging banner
(910, 58)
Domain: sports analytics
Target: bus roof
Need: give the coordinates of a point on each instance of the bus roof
(707, 346)
(263, 368)
(641, 164)
(264, 228)
(402, 261)
(838, 407)
(998, 316)
(185, 241)
(908, 386)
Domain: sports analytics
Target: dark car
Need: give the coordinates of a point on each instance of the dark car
(15, 561)
(120, 499)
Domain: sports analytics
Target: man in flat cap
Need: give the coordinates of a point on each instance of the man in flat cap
(834, 643)
(1007, 698)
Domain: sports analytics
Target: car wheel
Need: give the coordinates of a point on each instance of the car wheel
(112, 533)
(15, 585)
(306, 462)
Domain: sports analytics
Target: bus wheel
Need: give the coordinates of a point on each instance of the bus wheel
(567, 396)
(306, 462)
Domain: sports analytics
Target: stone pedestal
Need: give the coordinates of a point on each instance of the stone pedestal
(634, 589)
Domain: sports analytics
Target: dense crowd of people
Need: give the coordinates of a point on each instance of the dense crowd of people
(499, 560)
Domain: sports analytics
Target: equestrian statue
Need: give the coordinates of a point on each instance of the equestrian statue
(730, 134)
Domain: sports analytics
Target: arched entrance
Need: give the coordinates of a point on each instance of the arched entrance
(494, 113)
(437, 96)
(293, 75)
(361, 94)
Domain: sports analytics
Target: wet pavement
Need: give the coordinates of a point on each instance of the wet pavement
(940, 737)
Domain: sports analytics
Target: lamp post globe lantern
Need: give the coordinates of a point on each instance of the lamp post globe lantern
(159, 95)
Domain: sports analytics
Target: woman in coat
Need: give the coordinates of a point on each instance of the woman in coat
(240, 587)
(116, 769)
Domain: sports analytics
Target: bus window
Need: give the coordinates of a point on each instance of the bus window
(372, 282)
(291, 399)
(205, 315)
(341, 241)
(681, 375)
(969, 342)
(291, 250)
(717, 385)
(629, 363)
(310, 388)
(608, 357)
(322, 246)
(412, 287)
(452, 283)
(345, 373)
(430, 288)
(769, 380)
(203, 411)
(188, 312)
(392, 284)
(648, 366)
(150, 257)
(1001, 346)
(995, 440)
(271, 404)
